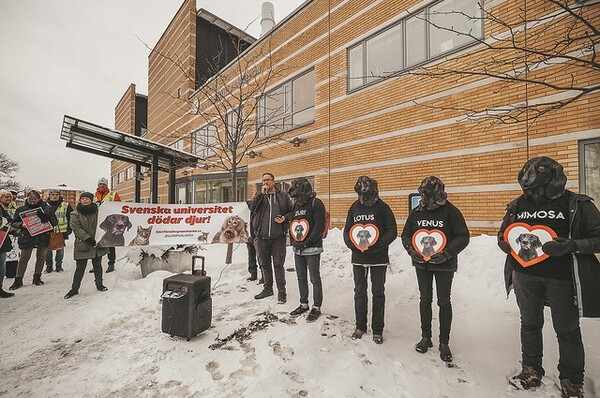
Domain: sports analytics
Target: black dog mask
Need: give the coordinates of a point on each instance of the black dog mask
(301, 191)
(367, 191)
(432, 194)
(542, 179)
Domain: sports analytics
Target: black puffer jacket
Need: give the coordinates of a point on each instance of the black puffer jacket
(26, 241)
(584, 229)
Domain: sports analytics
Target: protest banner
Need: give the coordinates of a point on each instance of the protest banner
(142, 224)
(33, 223)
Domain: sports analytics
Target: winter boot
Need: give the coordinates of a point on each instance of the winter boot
(71, 293)
(358, 334)
(570, 389)
(101, 288)
(252, 277)
(59, 267)
(37, 279)
(378, 338)
(48, 269)
(17, 283)
(313, 315)
(300, 310)
(4, 294)
(111, 268)
(424, 345)
(281, 298)
(263, 294)
(445, 353)
(527, 379)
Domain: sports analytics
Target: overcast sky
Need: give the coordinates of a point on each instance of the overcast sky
(77, 57)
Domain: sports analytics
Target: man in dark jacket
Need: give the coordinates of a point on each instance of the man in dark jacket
(550, 236)
(271, 211)
(62, 211)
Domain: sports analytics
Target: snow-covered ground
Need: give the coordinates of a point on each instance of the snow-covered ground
(111, 345)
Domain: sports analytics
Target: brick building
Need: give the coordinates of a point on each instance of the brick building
(365, 93)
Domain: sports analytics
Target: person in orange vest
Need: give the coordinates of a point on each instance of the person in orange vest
(103, 194)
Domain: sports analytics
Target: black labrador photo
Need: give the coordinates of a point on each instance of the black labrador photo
(428, 243)
(367, 191)
(528, 244)
(363, 239)
(114, 226)
(299, 231)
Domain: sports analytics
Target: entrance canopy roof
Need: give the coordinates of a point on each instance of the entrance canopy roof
(113, 144)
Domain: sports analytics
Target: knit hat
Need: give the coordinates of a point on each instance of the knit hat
(103, 180)
(53, 191)
(35, 193)
(86, 195)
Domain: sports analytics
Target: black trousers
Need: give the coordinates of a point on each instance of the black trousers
(360, 297)
(305, 266)
(531, 292)
(80, 271)
(443, 287)
(267, 250)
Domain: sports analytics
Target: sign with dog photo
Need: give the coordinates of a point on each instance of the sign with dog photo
(142, 224)
(364, 236)
(526, 242)
(428, 242)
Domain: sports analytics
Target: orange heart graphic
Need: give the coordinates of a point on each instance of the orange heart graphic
(364, 236)
(428, 242)
(526, 242)
(299, 229)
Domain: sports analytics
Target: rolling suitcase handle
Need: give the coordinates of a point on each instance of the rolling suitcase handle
(201, 272)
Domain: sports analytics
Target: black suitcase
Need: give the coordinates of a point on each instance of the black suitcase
(187, 305)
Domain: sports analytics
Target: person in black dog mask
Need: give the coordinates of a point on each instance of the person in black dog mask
(568, 225)
(369, 230)
(434, 233)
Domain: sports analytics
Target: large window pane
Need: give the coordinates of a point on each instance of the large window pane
(384, 54)
(591, 169)
(304, 93)
(416, 39)
(355, 60)
(450, 16)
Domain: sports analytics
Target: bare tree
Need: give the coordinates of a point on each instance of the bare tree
(560, 34)
(8, 169)
(228, 103)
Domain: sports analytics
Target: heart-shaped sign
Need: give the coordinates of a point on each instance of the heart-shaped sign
(299, 229)
(363, 236)
(526, 242)
(428, 242)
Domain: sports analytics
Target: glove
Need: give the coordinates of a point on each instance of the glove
(91, 241)
(441, 257)
(44, 217)
(415, 255)
(505, 247)
(298, 245)
(559, 247)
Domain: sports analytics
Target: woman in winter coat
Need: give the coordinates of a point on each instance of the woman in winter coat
(550, 235)
(83, 223)
(370, 229)
(27, 242)
(306, 232)
(434, 233)
(6, 246)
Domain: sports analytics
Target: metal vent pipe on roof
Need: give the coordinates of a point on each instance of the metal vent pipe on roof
(267, 19)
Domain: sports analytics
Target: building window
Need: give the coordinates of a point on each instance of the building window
(288, 106)
(121, 176)
(589, 167)
(204, 141)
(113, 182)
(433, 31)
(177, 145)
(129, 172)
(219, 191)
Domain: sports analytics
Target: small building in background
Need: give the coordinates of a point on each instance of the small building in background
(68, 193)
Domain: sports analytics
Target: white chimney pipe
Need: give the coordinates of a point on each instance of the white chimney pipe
(267, 20)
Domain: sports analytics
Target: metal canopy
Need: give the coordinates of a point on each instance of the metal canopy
(113, 144)
(89, 137)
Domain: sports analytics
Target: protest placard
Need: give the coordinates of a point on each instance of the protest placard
(141, 224)
(33, 223)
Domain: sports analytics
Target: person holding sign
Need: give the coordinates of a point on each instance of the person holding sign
(83, 223)
(434, 233)
(550, 236)
(5, 243)
(35, 219)
(370, 229)
(62, 210)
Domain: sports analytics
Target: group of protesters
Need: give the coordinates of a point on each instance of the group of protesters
(58, 219)
(550, 236)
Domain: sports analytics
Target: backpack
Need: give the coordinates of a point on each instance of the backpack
(327, 220)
